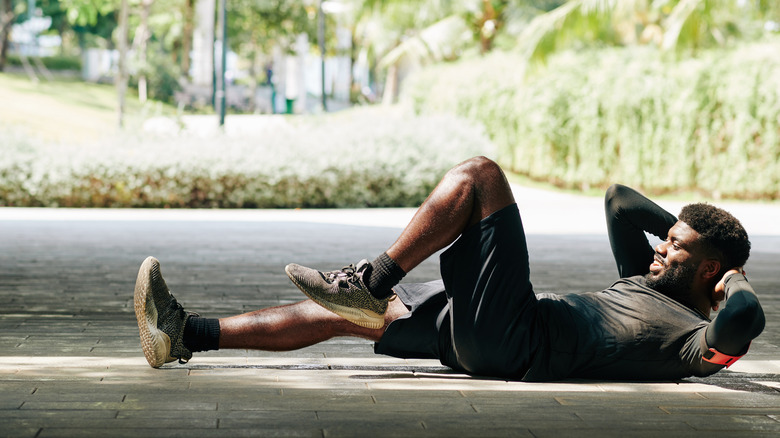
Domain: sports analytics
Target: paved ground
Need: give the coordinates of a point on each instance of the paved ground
(70, 360)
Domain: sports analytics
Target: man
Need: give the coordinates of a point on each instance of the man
(483, 317)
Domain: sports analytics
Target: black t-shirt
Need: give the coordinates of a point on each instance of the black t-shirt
(625, 332)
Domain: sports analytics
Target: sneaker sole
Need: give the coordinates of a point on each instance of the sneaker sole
(155, 343)
(362, 317)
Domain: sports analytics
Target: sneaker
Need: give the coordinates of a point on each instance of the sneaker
(342, 292)
(160, 317)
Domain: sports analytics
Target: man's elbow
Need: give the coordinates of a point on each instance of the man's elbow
(749, 315)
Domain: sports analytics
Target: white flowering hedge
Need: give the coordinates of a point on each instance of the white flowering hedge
(360, 158)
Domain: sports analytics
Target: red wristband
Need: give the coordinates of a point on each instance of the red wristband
(716, 357)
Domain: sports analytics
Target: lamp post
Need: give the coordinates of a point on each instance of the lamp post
(321, 38)
(220, 83)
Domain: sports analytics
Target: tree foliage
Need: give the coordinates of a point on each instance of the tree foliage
(10, 11)
(262, 24)
(673, 25)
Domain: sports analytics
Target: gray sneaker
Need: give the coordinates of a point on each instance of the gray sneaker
(342, 292)
(160, 317)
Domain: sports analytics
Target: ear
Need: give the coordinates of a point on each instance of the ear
(709, 269)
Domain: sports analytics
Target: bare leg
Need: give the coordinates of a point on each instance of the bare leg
(468, 193)
(295, 326)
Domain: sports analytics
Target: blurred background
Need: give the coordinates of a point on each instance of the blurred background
(365, 103)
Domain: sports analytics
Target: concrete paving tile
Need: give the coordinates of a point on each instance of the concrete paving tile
(354, 424)
(77, 424)
(553, 431)
(520, 400)
(15, 387)
(300, 404)
(109, 424)
(637, 422)
(400, 401)
(246, 373)
(723, 410)
(178, 405)
(147, 415)
(521, 411)
(743, 398)
(484, 431)
(181, 432)
(394, 396)
(67, 396)
(336, 396)
(56, 415)
(273, 419)
(318, 379)
(237, 390)
(630, 399)
(335, 393)
(20, 431)
(732, 422)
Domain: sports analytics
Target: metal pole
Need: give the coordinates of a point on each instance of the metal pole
(223, 61)
(321, 38)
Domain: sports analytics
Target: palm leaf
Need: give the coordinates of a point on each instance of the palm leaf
(436, 42)
(548, 31)
(681, 14)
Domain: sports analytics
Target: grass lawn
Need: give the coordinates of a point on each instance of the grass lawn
(68, 111)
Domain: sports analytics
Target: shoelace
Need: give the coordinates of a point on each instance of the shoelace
(347, 273)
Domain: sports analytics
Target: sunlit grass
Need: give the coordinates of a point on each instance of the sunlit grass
(67, 111)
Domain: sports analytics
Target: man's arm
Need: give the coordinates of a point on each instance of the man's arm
(629, 216)
(739, 322)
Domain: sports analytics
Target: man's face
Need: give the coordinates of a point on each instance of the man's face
(676, 261)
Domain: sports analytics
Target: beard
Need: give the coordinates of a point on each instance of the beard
(675, 281)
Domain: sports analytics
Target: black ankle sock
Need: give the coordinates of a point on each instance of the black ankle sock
(201, 334)
(385, 273)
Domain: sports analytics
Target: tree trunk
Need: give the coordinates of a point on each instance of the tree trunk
(121, 77)
(6, 20)
(487, 33)
(391, 86)
(254, 72)
(140, 44)
(186, 43)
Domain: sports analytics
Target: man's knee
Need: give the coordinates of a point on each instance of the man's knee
(479, 169)
(486, 180)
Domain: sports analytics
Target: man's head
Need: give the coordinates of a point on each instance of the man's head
(721, 233)
(704, 244)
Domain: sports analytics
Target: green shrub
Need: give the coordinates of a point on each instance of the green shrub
(57, 62)
(625, 115)
(358, 158)
(162, 77)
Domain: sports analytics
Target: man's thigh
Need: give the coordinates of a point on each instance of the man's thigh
(491, 301)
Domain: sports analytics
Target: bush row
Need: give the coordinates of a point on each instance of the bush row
(355, 159)
(708, 124)
(57, 62)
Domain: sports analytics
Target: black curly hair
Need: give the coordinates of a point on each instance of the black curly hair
(720, 231)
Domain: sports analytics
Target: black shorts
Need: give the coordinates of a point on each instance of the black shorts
(481, 318)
